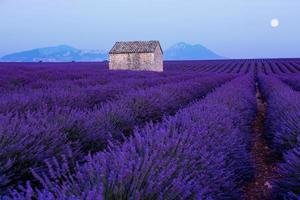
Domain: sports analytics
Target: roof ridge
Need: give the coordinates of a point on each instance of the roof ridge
(135, 47)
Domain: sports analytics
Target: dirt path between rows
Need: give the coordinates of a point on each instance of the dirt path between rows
(260, 187)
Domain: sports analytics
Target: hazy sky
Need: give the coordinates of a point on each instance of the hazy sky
(232, 28)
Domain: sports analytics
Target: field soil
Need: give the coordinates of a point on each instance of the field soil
(260, 187)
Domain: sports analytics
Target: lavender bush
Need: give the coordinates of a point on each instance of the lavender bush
(288, 185)
(293, 81)
(283, 113)
(283, 123)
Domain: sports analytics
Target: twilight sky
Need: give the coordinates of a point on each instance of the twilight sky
(232, 28)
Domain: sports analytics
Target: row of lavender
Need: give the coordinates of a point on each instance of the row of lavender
(19, 74)
(30, 136)
(81, 97)
(36, 75)
(292, 80)
(283, 134)
(201, 152)
(263, 66)
(16, 77)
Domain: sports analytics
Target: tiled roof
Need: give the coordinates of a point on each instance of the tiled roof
(134, 47)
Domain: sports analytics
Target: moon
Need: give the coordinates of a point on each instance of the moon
(274, 23)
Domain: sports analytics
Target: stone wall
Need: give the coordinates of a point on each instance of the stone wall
(158, 60)
(137, 61)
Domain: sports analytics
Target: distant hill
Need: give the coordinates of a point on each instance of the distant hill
(61, 53)
(65, 53)
(184, 51)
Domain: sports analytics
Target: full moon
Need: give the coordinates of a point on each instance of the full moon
(274, 23)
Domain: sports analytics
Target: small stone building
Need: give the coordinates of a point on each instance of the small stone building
(136, 55)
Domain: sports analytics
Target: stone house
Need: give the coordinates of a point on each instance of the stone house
(136, 55)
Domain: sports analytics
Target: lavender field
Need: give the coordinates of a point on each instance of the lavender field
(226, 129)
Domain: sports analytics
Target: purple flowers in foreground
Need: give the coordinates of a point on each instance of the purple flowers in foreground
(201, 152)
(28, 138)
(78, 131)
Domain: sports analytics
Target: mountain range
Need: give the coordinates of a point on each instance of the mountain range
(61, 53)
(65, 53)
(184, 51)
